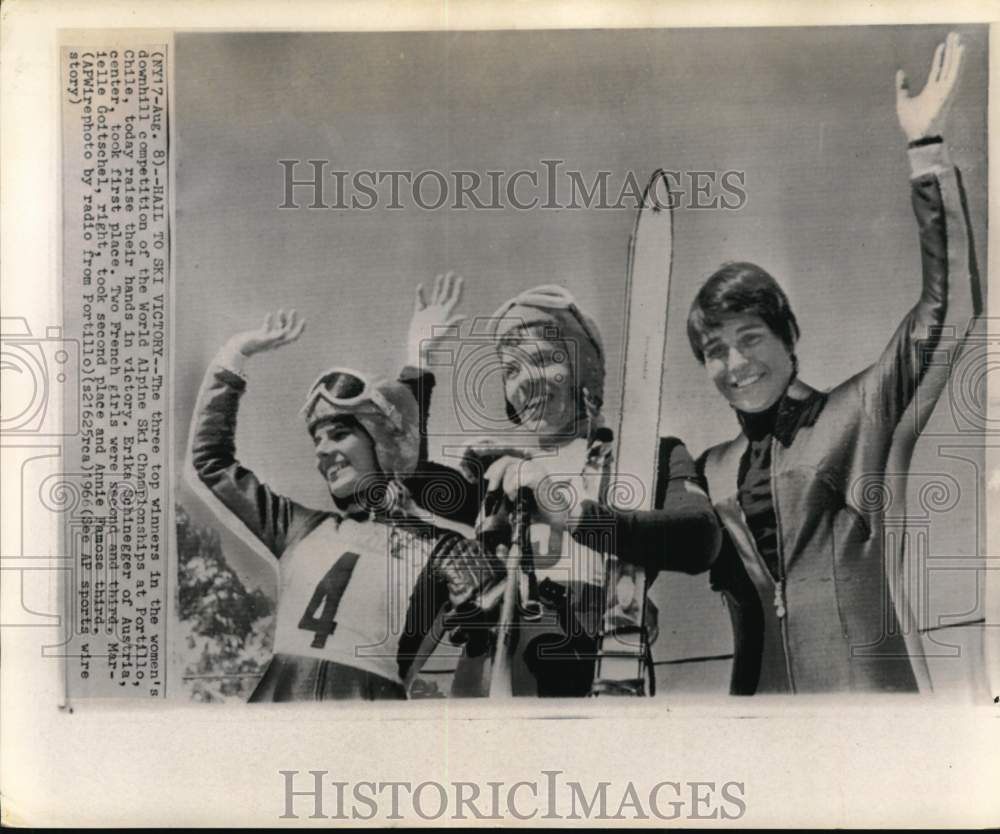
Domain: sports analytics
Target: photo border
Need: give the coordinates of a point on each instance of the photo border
(822, 761)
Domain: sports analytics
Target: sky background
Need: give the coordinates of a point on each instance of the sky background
(807, 114)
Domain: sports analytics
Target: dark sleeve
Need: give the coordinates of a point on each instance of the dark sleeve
(446, 492)
(452, 556)
(272, 518)
(435, 487)
(421, 385)
(729, 577)
(427, 598)
(950, 297)
(680, 534)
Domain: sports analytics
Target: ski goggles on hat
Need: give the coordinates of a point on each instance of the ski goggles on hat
(550, 296)
(343, 391)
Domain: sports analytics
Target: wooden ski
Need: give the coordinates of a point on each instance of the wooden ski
(624, 662)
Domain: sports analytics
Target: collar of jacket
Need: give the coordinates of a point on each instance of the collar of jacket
(344, 510)
(798, 407)
(379, 517)
(359, 515)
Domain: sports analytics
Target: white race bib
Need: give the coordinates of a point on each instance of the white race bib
(345, 590)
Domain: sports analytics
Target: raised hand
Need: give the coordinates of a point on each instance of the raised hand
(279, 329)
(432, 321)
(925, 114)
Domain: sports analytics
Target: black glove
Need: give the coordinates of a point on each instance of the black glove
(474, 579)
(468, 571)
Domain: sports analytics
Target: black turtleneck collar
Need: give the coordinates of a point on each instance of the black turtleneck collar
(757, 425)
(784, 418)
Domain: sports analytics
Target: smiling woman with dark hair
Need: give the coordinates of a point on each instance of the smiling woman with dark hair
(350, 574)
(810, 584)
(740, 288)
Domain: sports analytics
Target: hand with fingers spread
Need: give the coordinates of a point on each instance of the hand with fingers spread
(925, 114)
(279, 329)
(432, 320)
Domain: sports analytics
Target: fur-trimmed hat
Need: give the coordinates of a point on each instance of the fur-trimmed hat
(386, 410)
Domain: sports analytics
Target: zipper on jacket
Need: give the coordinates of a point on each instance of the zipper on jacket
(779, 596)
(780, 606)
(779, 599)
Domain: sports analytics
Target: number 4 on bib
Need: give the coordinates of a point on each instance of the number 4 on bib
(327, 595)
